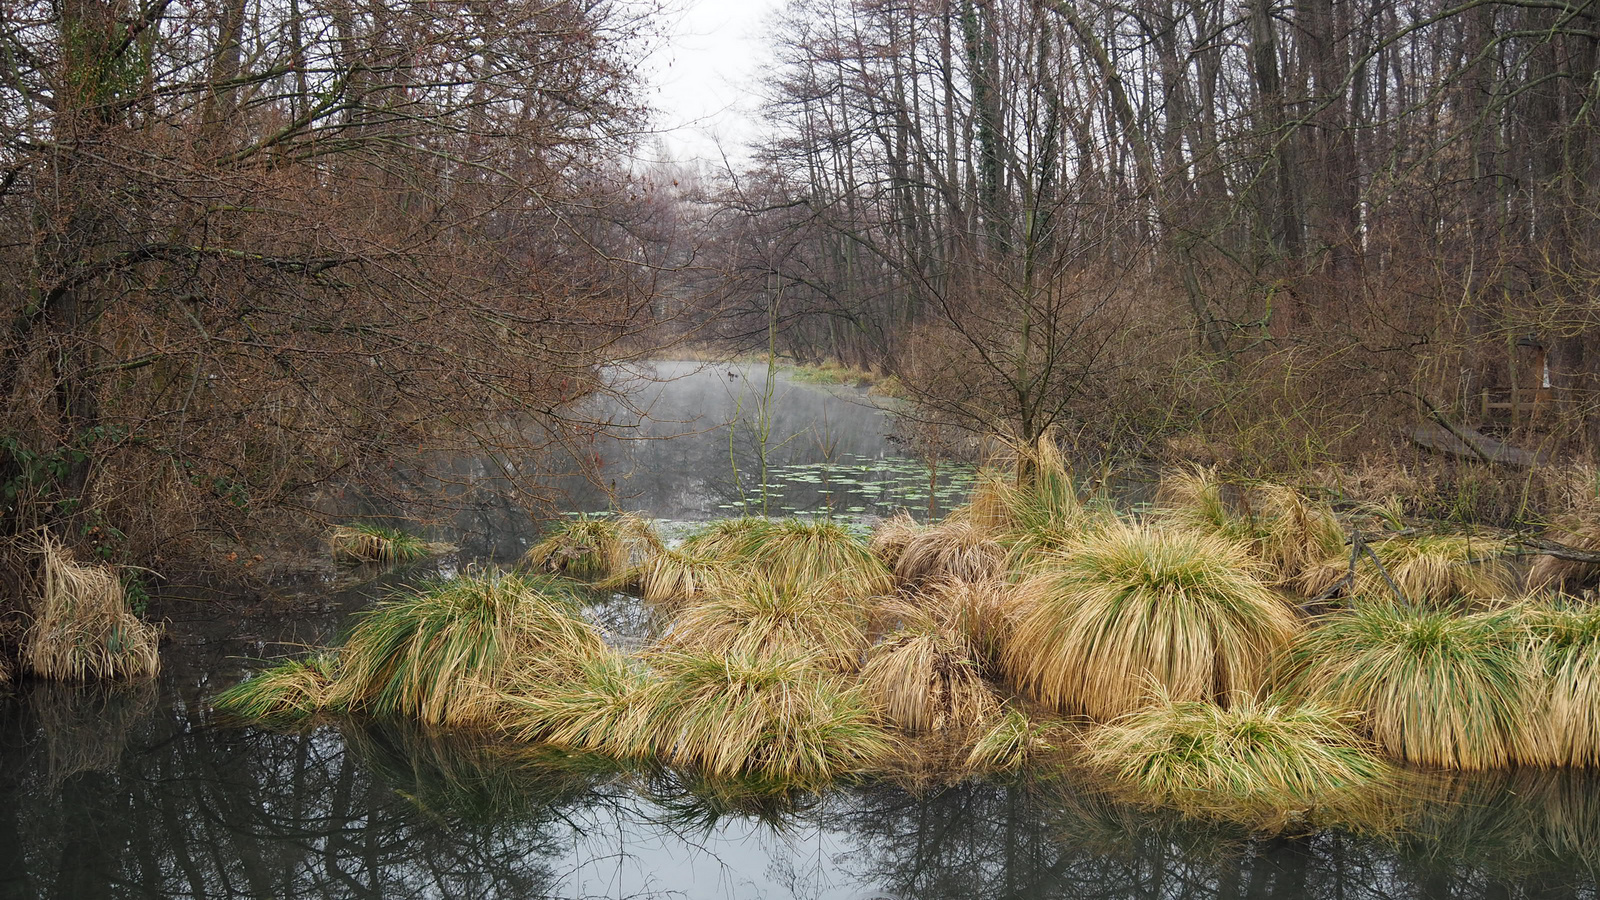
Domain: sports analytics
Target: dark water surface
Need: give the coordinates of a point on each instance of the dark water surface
(139, 792)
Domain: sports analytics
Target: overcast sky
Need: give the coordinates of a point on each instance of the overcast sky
(705, 76)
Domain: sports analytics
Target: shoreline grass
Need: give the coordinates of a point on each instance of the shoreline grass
(362, 542)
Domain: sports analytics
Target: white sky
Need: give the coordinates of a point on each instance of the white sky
(705, 78)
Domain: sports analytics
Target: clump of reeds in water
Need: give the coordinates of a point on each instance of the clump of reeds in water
(1549, 573)
(762, 618)
(1300, 543)
(1436, 688)
(925, 680)
(1438, 569)
(286, 694)
(956, 549)
(594, 547)
(435, 654)
(362, 542)
(82, 627)
(1036, 508)
(802, 555)
(1261, 762)
(593, 706)
(1131, 608)
(978, 611)
(778, 719)
(890, 536)
(682, 577)
(1566, 650)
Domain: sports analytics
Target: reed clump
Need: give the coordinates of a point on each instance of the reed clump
(957, 549)
(762, 619)
(676, 578)
(286, 694)
(1566, 576)
(1256, 761)
(1006, 745)
(594, 548)
(1436, 688)
(889, 537)
(779, 719)
(1439, 569)
(433, 654)
(925, 681)
(362, 542)
(82, 628)
(594, 706)
(1132, 608)
(1566, 648)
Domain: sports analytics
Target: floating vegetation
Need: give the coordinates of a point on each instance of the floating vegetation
(956, 549)
(594, 547)
(779, 719)
(763, 620)
(1253, 762)
(363, 542)
(82, 628)
(1132, 609)
(925, 681)
(437, 654)
(286, 694)
(1437, 688)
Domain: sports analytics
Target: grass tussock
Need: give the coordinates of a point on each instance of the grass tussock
(1439, 569)
(1566, 646)
(762, 620)
(362, 542)
(1300, 543)
(1564, 575)
(890, 537)
(770, 718)
(956, 549)
(675, 578)
(1135, 608)
(82, 628)
(732, 539)
(593, 547)
(1255, 761)
(594, 707)
(980, 612)
(926, 681)
(1006, 745)
(434, 655)
(801, 556)
(286, 694)
(1436, 688)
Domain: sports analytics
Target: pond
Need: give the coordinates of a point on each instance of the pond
(141, 792)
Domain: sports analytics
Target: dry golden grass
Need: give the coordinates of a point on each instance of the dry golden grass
(674, 578)
(82, 628)
(761, 620)
(365, 543)
(979, 612)
(1133, 609)
(925, 680)
(890, 537)
(594, 548)
(1437, 688)
(1564, 575)
(1565, 728)
(803, 556)
(956, 549)
(1439, 569)
(780, 720)
(1254, 762)
(1005, 746)
(595, 706)
(440, 654)
(285, 694)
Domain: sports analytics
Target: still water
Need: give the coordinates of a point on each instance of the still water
(139, 792)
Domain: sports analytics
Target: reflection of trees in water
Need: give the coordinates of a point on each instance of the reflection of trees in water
(156, 804)
(977, 840)
(212, 812)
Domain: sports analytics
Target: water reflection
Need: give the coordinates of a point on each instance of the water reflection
(124, 795)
